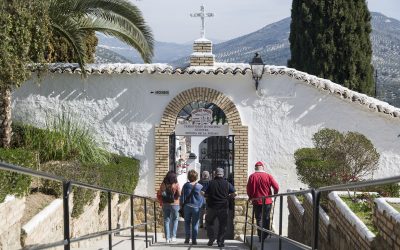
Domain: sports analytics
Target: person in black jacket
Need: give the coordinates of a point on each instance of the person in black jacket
(218, 193)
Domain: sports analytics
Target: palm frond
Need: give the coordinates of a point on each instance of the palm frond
(73, 35)
(120, 12)
(119, 18)
(112, 29)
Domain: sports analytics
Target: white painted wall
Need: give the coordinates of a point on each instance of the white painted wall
(281, 117)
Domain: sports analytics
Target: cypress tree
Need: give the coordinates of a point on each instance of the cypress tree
(330, 39)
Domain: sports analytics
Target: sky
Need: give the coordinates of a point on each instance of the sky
(170, 20)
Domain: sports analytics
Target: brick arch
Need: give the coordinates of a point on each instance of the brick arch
(168, 122)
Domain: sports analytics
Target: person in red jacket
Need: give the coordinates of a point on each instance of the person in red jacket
(259, 185)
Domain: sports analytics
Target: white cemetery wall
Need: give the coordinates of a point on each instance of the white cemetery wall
(282, 116)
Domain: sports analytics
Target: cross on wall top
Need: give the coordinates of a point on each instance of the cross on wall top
(202, 15)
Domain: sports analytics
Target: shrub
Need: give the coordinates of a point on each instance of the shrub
(122, 174)
(72, 171)
(336, 158)
(388, 190)
(11, 182)
(63, 139)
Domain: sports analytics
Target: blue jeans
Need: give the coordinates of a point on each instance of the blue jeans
(170, 213)
(192, 215)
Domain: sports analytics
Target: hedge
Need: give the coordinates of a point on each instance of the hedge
(11, 182)
(122, 174)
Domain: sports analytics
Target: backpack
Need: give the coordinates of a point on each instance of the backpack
(168, 195)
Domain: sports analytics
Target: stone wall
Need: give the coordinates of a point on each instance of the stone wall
(347, 230)
(300, 221)
(91, 221)
(139, 215)
(343, 230)
(45, 227)
(11, 212)
(296, 219)
(387, 220)
(240, 216)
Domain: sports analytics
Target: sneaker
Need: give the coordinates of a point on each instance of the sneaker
(173, 239)
(168, 240)
(221, 244)
(210, 243)
(194, 242)
(186, 241)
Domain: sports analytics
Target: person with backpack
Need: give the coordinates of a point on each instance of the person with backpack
(168, 196)
(258, 186)
(192, 200)
(218, 193)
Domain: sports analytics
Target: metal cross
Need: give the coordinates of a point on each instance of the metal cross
(202, 15)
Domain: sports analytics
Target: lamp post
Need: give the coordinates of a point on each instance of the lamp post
(257, 68)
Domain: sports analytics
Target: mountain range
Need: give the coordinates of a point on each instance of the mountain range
(272, 43)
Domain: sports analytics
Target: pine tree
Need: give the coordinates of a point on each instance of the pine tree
(330, 39)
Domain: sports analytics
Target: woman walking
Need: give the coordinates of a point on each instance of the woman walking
(192, 201)
(168, 196)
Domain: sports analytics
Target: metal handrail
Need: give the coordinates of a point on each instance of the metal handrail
(316, 194)
(67, 187)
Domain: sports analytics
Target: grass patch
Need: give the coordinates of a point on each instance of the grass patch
(395, 206)
(363, 210)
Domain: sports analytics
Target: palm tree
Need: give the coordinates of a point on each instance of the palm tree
(73, 20)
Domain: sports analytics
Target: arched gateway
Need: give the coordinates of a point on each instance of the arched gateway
(168, 122)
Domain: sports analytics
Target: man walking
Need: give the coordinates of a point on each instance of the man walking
(259, 185)
(217, 193)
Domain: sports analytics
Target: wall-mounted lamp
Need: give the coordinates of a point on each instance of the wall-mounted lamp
(257, 68)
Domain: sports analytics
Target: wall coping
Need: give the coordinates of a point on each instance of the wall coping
(322, 213)
(383, 205)
(361, 228)
(296, 202)
(42, 215)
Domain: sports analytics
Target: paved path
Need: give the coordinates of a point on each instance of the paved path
(124, 243)
(270, 244)
(201, 244)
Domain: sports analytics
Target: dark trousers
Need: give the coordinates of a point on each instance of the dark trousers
(222, 215)
(203, 210)
(258, 215)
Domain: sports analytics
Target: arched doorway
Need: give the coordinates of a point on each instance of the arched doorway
(168, 123)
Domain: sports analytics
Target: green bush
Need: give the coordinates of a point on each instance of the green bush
(122, 174)
(11, 182)
(72, 171)
(63, 139)
(388, 190)
(336, 158)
